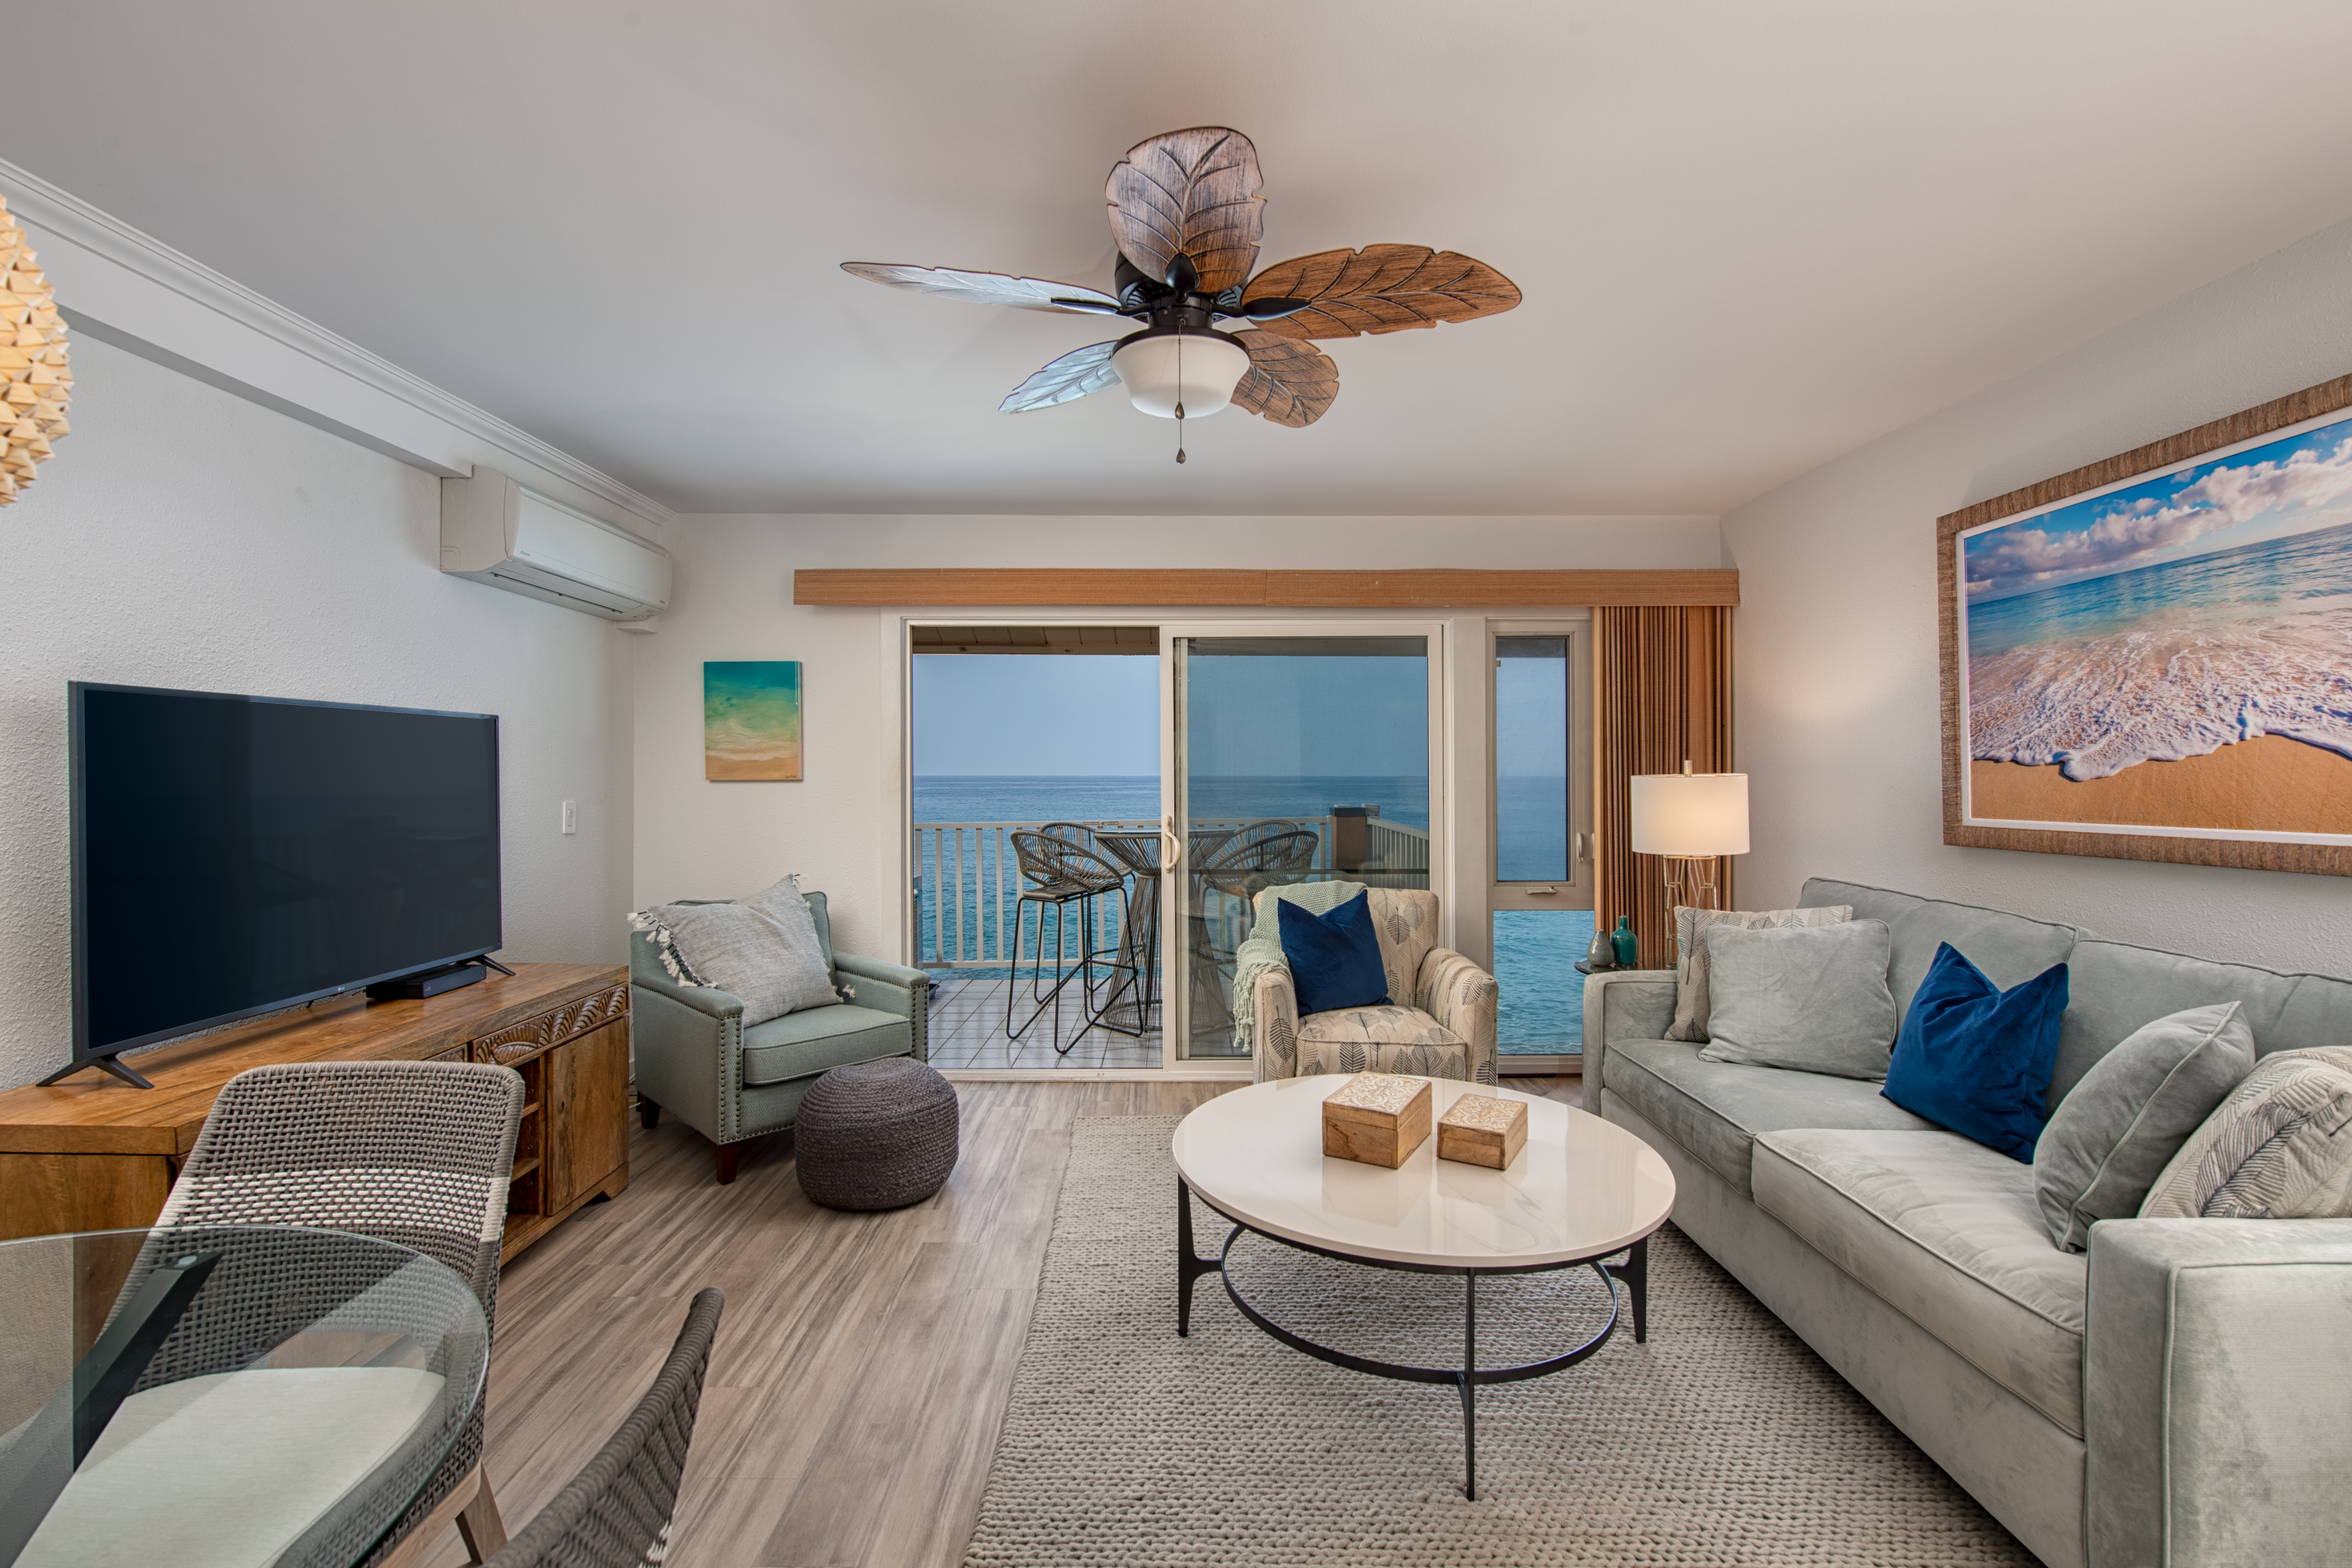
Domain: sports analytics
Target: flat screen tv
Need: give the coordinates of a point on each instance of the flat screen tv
(236, 855)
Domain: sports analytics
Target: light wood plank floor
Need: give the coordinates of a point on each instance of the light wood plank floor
(864, 1361)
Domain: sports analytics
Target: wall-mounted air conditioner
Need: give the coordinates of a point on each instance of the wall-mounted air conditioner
(496, 532)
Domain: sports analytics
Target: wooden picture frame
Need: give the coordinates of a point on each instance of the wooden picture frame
(2240, 789)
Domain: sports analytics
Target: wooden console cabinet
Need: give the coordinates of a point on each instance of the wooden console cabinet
(93, 1154)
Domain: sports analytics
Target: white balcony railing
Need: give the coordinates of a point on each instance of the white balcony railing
(968, 884)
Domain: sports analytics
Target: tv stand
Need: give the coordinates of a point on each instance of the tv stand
(86, 1155)
(103, 1064)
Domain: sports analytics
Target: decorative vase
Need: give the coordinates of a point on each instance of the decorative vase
(1627, 945)
(1601, 954)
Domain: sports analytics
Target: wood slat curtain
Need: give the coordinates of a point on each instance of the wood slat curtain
(1662, 678)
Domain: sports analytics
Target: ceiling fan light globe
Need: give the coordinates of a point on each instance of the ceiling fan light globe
(1213, 365)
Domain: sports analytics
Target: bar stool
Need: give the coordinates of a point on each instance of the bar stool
(1056, 871)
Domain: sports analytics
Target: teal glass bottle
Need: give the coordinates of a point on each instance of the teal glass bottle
(1627, 945)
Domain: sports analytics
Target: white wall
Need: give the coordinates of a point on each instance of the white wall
(1837, 662)
(185, 537)
(840, 827)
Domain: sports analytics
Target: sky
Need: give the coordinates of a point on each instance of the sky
(2292, 486)
(1058, 715)
(1036, 715)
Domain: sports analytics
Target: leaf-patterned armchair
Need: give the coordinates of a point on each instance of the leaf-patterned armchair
(1439, 1022)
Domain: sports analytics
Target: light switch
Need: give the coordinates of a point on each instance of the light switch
(571, 816)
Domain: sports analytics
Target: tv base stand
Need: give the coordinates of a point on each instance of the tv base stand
(103, 1064)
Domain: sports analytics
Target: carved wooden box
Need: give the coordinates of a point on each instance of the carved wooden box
(1377, 1119)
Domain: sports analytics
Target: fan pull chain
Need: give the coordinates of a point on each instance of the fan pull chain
(1179, 393)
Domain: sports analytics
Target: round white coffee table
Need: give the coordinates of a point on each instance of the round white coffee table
(1581, 1192)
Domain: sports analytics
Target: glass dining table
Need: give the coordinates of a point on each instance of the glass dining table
(225, 1395)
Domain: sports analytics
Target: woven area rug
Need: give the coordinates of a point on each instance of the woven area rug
(1723, 1441)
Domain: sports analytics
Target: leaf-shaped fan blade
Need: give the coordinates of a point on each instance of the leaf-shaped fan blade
(984, 288)
(1191, 193)
(1074, 376)
(1381, 289)
(1288, 382)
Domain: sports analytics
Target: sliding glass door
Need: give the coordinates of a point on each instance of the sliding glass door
(1296, 754)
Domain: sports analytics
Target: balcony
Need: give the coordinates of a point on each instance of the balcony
(967, 901)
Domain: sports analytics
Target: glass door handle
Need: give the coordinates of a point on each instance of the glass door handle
(1579, 838)
(1173, 843)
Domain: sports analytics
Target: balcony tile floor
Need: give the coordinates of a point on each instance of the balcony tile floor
(967, 1030)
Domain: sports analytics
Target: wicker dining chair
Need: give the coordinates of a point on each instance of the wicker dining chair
(418, 1154)
(617, 1511)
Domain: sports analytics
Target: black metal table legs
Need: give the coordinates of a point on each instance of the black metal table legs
(1465, 1379)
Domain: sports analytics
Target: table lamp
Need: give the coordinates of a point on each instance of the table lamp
(1690, 818)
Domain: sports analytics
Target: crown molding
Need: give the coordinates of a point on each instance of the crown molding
(377, 403)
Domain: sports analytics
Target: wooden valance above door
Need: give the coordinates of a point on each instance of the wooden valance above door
(1418, 589)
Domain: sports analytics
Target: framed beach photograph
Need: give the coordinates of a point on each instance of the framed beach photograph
(2151, 658)
(751, 720)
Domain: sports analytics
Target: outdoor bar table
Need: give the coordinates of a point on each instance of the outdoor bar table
(1129, 1009)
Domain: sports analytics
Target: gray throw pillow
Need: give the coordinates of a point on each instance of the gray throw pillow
(1812, 999)
(2118, 1127)
(762, 950)
(1692, 970)
(2279, 1148)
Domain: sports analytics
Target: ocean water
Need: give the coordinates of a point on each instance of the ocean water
(1543, 997)
(2170, 661)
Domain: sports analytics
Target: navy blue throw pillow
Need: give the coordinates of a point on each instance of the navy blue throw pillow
(1976, 1058)
(1335, 959)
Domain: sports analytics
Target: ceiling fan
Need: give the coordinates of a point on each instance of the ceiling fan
(1186, 212)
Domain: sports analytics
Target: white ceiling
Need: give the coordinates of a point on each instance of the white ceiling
(1750, 237)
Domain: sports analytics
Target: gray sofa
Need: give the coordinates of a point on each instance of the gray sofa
(695, 1057)
(2182, 1395)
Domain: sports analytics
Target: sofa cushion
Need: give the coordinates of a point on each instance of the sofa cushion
(1334, 957)
(2010, 949)
(2119, 987)
(2115, 1130)
(1812, 999)
(2280, 1147)
(1976, 1058)
(1692, 969)
(800, 1043)
(1380, 1039)
(1947, 1232)
(1715, 1110)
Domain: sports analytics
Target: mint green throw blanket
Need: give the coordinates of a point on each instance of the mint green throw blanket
(1262, 949)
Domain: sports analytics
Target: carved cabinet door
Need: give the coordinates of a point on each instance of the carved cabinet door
(588, 1096)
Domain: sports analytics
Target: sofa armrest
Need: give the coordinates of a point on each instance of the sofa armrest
(704, 999)
(1623, 1004)
(1463, 998)
(2217, 1366)
(887, 988)
(1274, 1014)
(685, 1044)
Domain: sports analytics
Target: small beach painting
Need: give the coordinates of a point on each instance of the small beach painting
(2169, 655)
(751, 720)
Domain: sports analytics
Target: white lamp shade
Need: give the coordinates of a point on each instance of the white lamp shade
(1690, 814)
(1211, 366)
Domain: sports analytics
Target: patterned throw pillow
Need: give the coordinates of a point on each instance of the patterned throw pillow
(1691, 966)
(2279, 1148)
(755, 950)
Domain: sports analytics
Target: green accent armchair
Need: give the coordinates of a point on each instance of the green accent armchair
(695, 1057)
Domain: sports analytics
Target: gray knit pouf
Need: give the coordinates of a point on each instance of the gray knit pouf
(879, 1135)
